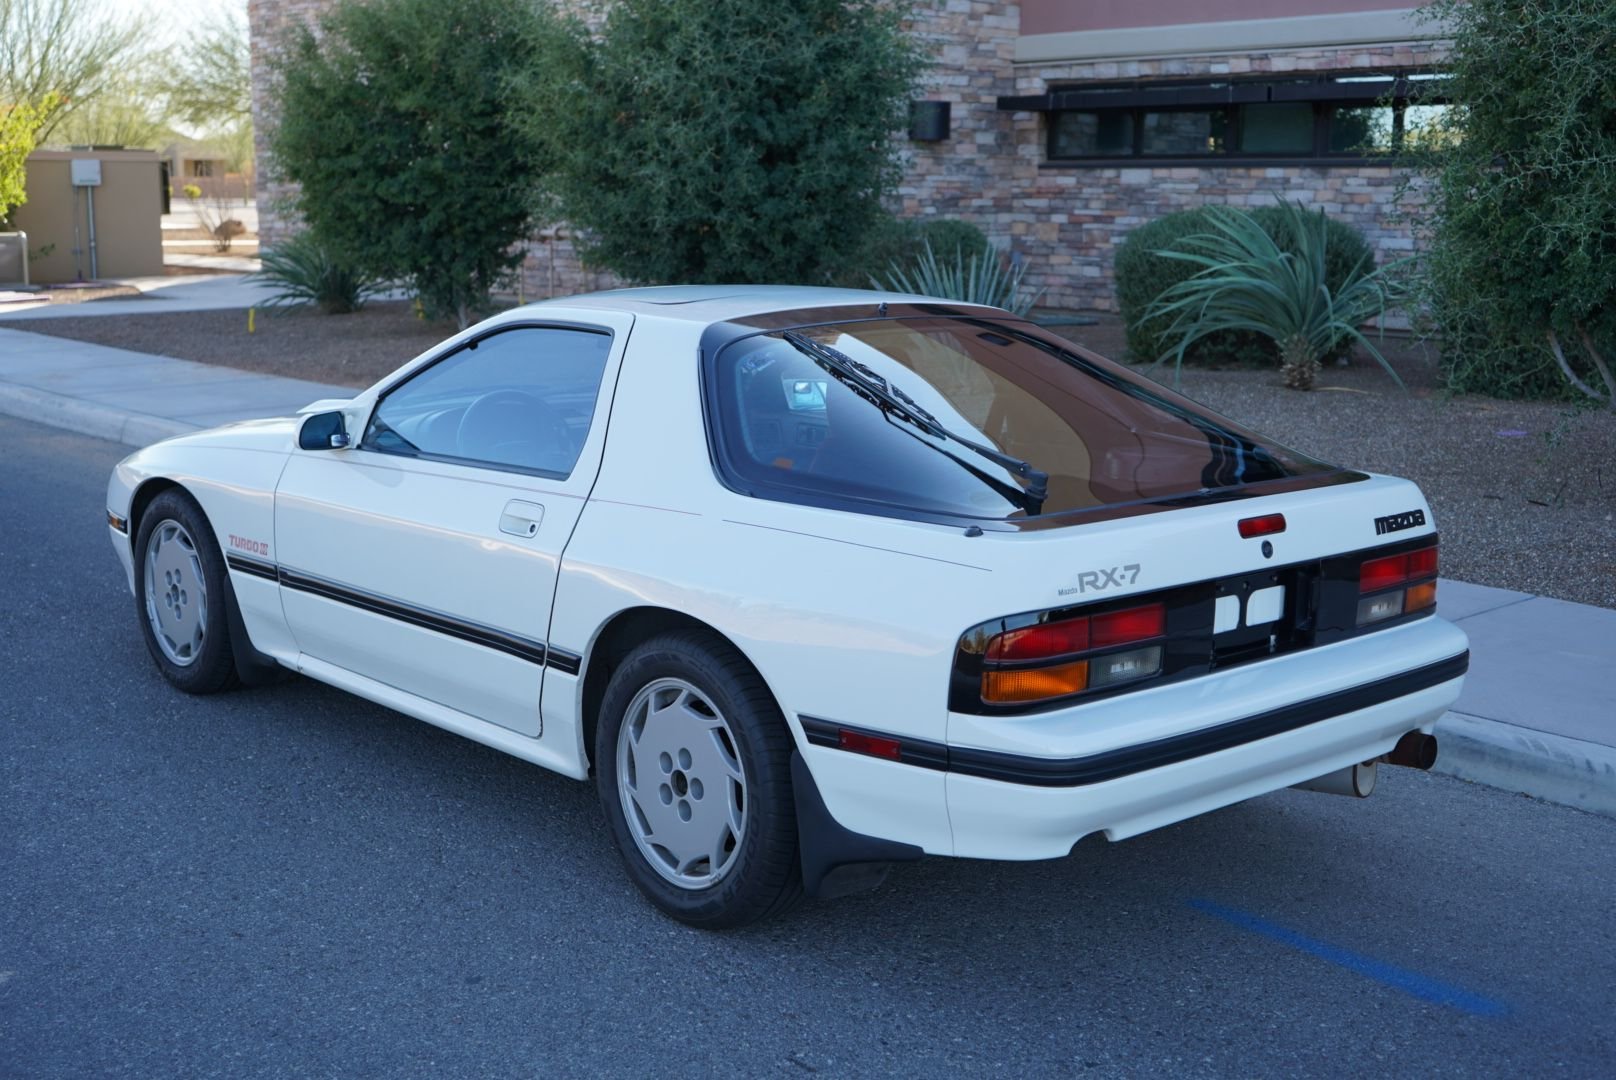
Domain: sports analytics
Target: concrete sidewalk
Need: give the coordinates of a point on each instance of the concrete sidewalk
(1538, 712)
(195, 292)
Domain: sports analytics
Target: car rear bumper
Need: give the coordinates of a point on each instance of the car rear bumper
(1034, 786)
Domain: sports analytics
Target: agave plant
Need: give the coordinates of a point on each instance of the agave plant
(1248, 282)
(978, 279)
(305, 272)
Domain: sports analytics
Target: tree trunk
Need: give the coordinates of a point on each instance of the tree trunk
(1299, 363)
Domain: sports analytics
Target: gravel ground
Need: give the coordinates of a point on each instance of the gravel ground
(1524, 492)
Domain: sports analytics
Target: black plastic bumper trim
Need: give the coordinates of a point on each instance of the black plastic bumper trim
(1127, 760)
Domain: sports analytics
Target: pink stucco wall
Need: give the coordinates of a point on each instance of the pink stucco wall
(1057, 16)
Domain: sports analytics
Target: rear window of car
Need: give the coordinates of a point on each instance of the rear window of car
(796, 418)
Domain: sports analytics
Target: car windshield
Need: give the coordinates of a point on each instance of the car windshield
(791, 425)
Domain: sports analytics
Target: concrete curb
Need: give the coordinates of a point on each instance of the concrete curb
(88, 418)
(1553, 768)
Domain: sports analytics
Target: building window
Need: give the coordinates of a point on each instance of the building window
(199, 168)
(1341, 117)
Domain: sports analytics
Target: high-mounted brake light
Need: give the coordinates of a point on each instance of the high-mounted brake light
(1057, 659)
(1267, 525)
(1394, 585)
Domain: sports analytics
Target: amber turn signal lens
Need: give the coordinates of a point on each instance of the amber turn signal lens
(1035, 684)
(1420, 597)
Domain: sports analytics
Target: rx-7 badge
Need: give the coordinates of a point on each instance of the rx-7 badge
(1100, 580)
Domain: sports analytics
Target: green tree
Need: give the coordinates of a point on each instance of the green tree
(73, 51)
(212, 86)
(19, 130)
(729, 140)
(1520, 277)
(393, 121)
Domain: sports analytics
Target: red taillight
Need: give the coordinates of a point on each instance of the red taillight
(1389, 571)
(1123, 627)
(1267, 525)
(1413, 577)
(1377, 574)
(1042, 641)
(860, 743)
(1055, 643)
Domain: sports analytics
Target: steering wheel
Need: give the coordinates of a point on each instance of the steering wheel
(514, 427)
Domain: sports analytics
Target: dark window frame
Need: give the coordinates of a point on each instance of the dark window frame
(1325, 92)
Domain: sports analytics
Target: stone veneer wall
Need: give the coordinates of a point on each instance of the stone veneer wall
(1064, 221)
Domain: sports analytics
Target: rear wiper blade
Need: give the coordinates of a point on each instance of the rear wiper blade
(879, 392)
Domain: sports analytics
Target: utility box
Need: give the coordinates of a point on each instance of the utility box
(86, 172)
(122, 185)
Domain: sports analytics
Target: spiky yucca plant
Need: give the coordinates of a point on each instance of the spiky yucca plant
(305, 272)
(1248, 282)
(980, 278)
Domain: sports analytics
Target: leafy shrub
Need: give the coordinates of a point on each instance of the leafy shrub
(306, 272)
(1520, 277)
(728, 140)
(1142, 276)
(191, 191)
(1245, 278)
(902, 241)
(976, 277)
(395, 122)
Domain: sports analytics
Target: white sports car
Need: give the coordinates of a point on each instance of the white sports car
(813, 581)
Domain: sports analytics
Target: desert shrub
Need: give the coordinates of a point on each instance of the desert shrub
(395, 122)
(1272, 280)
(305, 272)
(976, 276)
(191, 191)
(1520, 275)
(728, 140)
(1142, 276)
(902, 241)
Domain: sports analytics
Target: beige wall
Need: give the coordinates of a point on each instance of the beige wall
(128, 215)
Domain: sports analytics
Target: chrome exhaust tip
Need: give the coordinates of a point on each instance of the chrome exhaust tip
(1357, 781)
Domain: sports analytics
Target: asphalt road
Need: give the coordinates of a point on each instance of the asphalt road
(293, 882)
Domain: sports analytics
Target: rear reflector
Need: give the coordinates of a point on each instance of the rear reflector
(1267, 525)
(860, 743)
(1035, 684)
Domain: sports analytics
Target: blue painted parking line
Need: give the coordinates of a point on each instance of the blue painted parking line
(1409, 982)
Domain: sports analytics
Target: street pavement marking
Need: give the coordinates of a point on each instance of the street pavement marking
(1409, 982)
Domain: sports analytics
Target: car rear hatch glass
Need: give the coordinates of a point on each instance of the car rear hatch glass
(879, 414)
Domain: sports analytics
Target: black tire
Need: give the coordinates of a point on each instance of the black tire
(763, 875)
(212, 666)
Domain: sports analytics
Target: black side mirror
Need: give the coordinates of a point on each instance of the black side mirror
(323, 431)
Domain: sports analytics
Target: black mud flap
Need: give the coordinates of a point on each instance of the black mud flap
(253, 668)
(837, 861)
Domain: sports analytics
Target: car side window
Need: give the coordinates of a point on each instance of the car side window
(519, 399)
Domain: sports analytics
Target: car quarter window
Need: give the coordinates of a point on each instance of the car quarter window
(519, 399)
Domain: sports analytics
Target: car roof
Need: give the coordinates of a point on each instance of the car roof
(721, 303)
